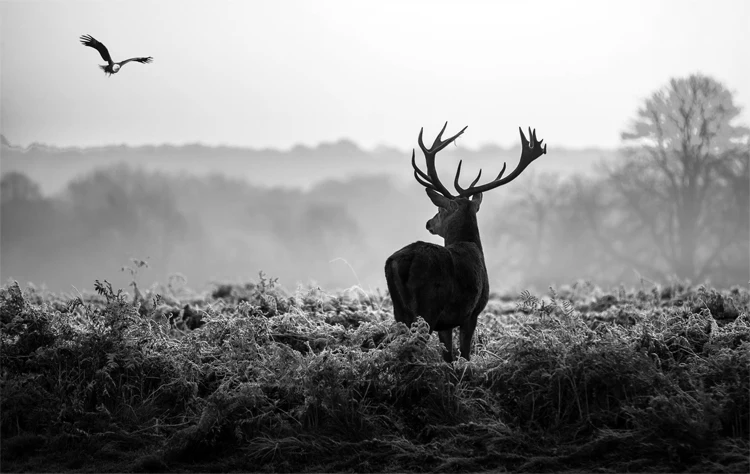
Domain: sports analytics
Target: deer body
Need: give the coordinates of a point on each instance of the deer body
(459, 294)
(447, 285)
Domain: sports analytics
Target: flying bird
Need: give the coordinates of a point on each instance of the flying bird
(111, 67)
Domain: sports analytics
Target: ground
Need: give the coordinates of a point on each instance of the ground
(249, 378)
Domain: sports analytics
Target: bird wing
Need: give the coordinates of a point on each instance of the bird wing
(88, 40)
(140, 60)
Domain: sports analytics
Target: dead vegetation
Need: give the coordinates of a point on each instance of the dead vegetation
(579, 380)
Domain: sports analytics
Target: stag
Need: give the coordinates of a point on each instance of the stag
(448, 285)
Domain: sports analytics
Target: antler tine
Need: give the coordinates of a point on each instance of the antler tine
(416, 168)
(458, 174)
(431, 179)
(530, 151)
(419, 175)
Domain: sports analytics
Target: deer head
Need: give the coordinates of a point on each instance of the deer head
(457, 213)
(449, 211)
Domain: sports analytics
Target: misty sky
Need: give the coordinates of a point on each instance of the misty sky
(278, 73)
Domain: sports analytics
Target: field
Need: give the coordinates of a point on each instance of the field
(249, 378)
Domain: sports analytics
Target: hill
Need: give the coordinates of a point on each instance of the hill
(301, 166)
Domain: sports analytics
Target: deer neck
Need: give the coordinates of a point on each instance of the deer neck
(465, 229)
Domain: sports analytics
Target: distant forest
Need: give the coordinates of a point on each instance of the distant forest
(673, 206)
(550, 231)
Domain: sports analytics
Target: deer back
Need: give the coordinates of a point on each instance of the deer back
(443, 284)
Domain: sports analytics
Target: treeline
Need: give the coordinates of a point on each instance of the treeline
(338, 234)
(204, 228)
(674, 207)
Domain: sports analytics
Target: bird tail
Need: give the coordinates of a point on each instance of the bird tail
(104, 68)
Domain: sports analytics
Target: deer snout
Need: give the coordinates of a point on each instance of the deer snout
(430, 227)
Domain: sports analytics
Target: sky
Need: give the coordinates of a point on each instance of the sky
(286, 72)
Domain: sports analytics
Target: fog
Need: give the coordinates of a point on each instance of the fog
(298, 167)
(346, 210)
(328, 215)
(276, 137)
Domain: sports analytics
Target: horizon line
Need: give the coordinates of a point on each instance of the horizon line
(376, 148)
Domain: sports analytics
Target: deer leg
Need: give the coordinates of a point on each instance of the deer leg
(446, 337)
(465, 335)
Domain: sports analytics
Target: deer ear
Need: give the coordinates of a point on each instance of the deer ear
(438, 199)
(476, 201)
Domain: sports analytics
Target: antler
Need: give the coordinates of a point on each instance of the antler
(529, 152)
(430, 179)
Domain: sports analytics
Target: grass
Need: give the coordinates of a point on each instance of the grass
(248, 378)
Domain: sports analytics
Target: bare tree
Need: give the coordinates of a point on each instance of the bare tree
(683, 182)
